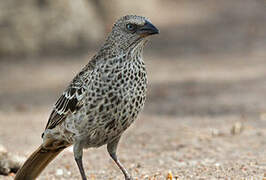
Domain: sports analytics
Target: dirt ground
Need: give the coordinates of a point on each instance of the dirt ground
(205, 116)
(203, 120)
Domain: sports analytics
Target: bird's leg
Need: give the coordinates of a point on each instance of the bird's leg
(78, 152)
(112, 147)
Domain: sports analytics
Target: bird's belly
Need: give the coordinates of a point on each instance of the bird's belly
(112, 120)
(101, 122)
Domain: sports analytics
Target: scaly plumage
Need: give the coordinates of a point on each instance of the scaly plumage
(101, 102)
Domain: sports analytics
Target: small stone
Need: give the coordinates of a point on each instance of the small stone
(216, 132)
(9, 163)
(263, 116)
(217, 164)
(146, 176)
(237, 128)
(59, 172)
(169, 176)
(138, 165)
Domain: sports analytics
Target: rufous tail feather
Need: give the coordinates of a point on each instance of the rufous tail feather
(36, 163)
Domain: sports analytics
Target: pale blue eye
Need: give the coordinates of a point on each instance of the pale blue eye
(130, 27)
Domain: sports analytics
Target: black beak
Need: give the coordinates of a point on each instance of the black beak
(147, 29)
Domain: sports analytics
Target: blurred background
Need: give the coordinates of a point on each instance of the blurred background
(205, 114)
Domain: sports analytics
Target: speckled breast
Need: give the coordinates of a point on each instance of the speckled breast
(116, 95)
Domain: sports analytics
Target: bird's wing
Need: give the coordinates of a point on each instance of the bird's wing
(69, 102)
(71, 99)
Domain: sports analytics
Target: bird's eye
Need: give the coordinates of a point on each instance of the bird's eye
(131, 27)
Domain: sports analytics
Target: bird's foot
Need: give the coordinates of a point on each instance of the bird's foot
(128, 178)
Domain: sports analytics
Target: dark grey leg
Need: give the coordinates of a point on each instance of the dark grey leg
(112, 147)
(78, 152)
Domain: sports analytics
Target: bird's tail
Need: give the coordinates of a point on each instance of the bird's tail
(35, 164)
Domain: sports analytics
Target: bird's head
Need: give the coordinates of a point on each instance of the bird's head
(130, 30)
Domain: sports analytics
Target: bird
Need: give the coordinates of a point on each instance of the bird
(101, 102)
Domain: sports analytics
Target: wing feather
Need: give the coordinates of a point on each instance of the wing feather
(69, 102)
